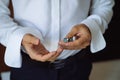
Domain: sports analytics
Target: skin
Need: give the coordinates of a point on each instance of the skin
(36, 50)
(83, 38)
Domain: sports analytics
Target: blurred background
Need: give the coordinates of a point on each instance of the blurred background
(106, 63)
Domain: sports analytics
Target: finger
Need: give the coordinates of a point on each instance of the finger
(58, 52)
(53, 58)
(41, 49)
(46, 57)
(63, 44)
(80, 44)
(70, 34)
(73, 32)
(76, 44)
(31, 39)
(42, 58)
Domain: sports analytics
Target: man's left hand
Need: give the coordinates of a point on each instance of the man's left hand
(83, 38)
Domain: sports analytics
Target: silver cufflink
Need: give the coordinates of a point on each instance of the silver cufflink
(69, 39)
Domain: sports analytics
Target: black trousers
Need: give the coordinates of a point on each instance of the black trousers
(77, 67)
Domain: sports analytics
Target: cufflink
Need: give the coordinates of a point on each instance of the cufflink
(66, 40)
(69, 39)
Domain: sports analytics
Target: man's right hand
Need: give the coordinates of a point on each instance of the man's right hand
(36, 50)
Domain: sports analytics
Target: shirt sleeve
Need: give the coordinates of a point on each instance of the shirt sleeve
(100, 15)
(11, 35)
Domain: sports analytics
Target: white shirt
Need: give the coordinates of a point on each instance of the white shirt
(50, 21)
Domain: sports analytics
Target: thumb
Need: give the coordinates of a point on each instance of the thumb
(72, 33)
(28, 38)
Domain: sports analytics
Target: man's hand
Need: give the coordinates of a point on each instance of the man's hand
(58, 52)
(82, 35)
(37, 51)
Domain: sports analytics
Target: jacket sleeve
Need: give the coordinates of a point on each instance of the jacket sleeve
(11, 35)
(101, 12)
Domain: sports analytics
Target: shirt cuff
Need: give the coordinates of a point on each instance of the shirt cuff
(13, 56)
(97, 42)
